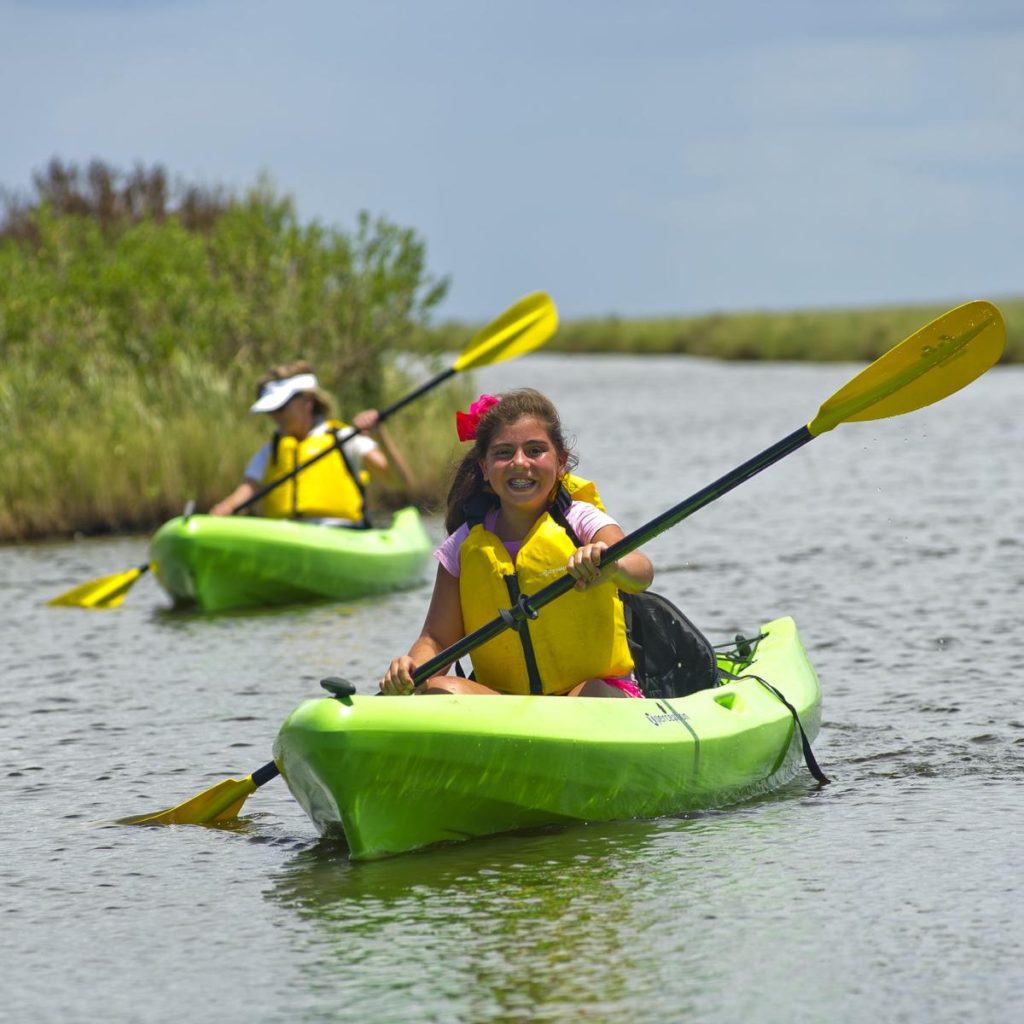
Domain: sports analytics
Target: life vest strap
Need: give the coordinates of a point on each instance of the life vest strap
(516, 617)
(357, 479)
(558, 511)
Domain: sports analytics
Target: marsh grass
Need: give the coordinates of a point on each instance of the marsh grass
(134, 449)
(816, 335)
(136, 318)
(839, 335)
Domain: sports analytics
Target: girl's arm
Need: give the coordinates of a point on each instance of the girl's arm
(441, 628)
(251, 483)
(632, 573)
(239, 496)
(386, 464)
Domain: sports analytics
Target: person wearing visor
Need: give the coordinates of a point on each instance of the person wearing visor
(332, 491)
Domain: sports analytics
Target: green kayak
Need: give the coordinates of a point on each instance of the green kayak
(396, 773)
(221, 562)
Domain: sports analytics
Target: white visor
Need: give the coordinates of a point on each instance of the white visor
(277, 392)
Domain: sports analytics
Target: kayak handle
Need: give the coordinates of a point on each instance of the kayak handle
(338, 687)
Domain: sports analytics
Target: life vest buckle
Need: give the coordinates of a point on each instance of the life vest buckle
(516, 616)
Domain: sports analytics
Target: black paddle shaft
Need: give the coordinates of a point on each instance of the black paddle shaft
(528, 606)
(344, 435)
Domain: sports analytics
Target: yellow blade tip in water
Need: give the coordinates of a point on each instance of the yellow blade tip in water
(219, 803)
(106, 592)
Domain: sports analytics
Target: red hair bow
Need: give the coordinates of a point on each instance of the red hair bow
(466, 423)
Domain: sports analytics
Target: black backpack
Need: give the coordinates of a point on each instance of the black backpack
(671, 656)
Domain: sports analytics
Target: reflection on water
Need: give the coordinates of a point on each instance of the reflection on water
(529, 922)
(891, 894)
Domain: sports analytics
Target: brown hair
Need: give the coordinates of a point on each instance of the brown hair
(322, 403)
(467, 496)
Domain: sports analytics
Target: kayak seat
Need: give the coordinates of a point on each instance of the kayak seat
(671, 656)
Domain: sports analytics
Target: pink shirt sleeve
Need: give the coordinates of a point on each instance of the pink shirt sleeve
(587, 519)
(448, 553)
(584, 518)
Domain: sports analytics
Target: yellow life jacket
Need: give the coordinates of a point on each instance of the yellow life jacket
(579, 636)
(327, 489)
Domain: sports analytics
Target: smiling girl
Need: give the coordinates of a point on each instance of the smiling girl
(518, 519)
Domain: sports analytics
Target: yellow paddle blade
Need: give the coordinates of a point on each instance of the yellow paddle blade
(940, 358)
(520, 329)
(106, 592)
(220, 803)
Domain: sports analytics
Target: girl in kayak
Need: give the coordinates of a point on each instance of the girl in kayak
(332, 491)
(517, 519)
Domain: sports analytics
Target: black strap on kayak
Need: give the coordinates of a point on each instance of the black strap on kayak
(809, 759)
(742, 648)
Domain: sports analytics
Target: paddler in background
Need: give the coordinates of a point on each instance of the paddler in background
(332, 491)
(518, 519)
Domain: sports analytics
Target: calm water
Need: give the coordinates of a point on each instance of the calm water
(893, 895)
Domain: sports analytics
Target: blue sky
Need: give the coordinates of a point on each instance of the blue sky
(638, 158)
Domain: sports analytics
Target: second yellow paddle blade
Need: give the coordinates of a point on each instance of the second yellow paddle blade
(106, 592)
(520, 329)
(219, 803)
(942, 357)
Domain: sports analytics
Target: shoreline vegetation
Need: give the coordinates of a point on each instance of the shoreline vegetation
(821, 335)
(137, 313)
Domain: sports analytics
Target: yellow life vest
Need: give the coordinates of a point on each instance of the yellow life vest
(326, 489)
(579, 636)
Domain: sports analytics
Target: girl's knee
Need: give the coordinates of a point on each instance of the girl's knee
(453, 685)
(595, 688)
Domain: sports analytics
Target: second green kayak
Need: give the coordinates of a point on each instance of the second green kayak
(223, 562)
(396, 773)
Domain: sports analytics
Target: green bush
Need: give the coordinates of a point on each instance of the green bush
(132, 332)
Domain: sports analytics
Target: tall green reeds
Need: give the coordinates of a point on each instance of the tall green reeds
(134, 320)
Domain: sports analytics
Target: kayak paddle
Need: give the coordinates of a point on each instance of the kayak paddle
(105, 592)
(520, 329)
(933, 363)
